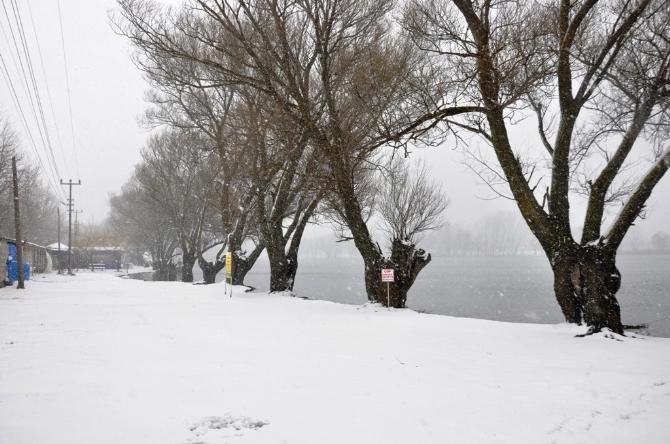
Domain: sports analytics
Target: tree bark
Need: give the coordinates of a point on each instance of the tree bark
(283, 269)
(210, 270)
(563, 265)
(586, 281)
(188, 261)
(406, 262)
(243, 263)
(598, 281)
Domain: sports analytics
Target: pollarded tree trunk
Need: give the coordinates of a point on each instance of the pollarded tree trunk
(210, 270)
(407, 262)
(188, 261)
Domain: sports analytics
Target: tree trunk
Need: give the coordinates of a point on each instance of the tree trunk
(282, 274)
(283, 263)
(586, 281)
(188, 261)
(243, 263)
(283, 268)
(563, 264)
(599, 280)
(210, 270)
(407, 262)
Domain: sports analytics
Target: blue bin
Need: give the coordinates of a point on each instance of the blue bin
(13, 268)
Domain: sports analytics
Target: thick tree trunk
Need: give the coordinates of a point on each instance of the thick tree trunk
(586, 281)
(599, 280)
(243, 263)
(210, 270)
(188, 261)
(282, 274)
(568, 297)
(373, 284)
(407, 262)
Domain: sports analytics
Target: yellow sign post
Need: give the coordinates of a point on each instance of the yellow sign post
(229, 271)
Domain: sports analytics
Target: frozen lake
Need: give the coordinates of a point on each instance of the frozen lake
(511, 289)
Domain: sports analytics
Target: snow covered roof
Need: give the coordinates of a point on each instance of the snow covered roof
(54, 246)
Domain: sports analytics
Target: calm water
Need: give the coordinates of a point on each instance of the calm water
(511, 289)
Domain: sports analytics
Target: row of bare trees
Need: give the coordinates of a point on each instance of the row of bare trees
(39, 207)
(297, 101)
(338, 83)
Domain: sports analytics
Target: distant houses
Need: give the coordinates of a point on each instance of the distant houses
(87, 257)
(39, 259)
(36, 259)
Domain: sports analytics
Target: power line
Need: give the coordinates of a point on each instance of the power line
(33, 96)
(29, 62)
(67, 83)
(46, 83)
(26, 127)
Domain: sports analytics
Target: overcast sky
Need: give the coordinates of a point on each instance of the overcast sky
(106, 97)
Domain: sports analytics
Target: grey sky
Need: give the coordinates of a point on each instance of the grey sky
(106, 92)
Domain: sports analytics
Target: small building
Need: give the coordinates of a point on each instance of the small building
(58, 255)
(110, 257)
(36, 259)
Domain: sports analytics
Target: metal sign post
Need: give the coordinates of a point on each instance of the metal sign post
(388, 277)
(229, 271)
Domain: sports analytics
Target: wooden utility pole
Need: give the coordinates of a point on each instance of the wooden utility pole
(17, 223)
(69, 235)
(60, 256)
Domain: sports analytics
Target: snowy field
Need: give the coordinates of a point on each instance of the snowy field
(95, 359)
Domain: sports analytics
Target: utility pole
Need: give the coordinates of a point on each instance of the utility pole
(17, 223)
(76, 223)
(60, 257)
(70, 203)
(76, 236)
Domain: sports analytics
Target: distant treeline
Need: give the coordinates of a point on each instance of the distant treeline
(495, 234)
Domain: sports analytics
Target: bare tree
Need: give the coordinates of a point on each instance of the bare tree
(409, 205)
(594, 74)
(138, 219)
(38, 203)
(178, 174)
(284, 171)
(185, 98)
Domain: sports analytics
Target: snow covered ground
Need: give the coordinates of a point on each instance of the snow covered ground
(94, 359)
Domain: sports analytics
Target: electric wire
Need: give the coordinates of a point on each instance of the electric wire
(26, 86)
(67, 84)
(46, 83)
(32, 95)
(29, 63)
(22, 117)
(24, 122)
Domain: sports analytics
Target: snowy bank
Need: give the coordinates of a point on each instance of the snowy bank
(98, 359)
